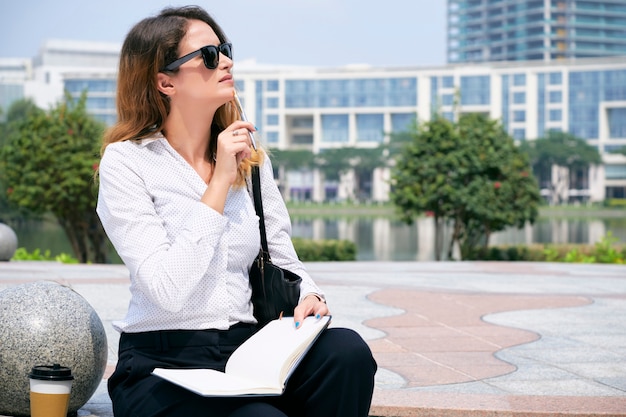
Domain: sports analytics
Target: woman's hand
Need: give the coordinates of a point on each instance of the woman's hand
(312, 305)
(233, 145)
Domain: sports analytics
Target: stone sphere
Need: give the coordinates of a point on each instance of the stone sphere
(43, 323)
(8, 242)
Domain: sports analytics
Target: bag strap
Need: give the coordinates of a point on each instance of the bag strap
(258, 207)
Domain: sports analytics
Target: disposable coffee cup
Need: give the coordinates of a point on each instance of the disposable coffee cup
(50, 388)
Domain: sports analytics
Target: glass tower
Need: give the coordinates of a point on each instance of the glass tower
(519, 30)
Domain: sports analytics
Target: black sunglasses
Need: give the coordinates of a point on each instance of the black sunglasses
(210, 56)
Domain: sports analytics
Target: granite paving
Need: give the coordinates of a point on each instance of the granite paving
(450, 338)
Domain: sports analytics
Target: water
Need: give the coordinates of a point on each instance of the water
(381, 239)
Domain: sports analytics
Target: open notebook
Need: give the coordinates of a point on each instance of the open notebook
(260, 366)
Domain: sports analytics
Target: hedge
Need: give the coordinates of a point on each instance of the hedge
(324, 250)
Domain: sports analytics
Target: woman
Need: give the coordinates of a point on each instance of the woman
(174, 202)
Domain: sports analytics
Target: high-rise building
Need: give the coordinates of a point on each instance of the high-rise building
(520, 30)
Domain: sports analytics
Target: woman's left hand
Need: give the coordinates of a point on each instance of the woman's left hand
(312, 305)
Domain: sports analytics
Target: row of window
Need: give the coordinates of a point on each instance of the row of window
(336, 127)
(587, 89)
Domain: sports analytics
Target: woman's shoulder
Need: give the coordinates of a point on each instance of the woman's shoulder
(133, 146)
(132, 152)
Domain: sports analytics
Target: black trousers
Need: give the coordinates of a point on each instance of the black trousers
(336, 378)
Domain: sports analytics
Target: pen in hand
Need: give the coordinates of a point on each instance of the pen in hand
(242, 114)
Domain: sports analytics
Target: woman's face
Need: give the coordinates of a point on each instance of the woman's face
(195, 84)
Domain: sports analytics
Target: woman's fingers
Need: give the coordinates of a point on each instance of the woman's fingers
(310, 306)
(233, 146)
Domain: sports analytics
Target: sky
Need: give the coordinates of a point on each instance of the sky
(321, 33)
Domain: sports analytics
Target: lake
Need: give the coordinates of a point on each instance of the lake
(383, 238)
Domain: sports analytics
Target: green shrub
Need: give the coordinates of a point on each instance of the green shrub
(503, 253)
(615, 202)
(607, 250)
(579, 256)
(606, 253)
(21, 254)
(324, 250)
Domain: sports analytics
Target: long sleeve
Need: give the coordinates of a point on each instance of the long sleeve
(188, 263)
(166, 268)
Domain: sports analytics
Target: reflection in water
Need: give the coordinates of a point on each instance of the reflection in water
(384, 239)
(380, 239)
(376, 238)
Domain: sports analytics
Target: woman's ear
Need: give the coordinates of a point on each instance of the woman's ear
(164, 84)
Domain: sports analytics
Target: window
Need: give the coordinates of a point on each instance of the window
(271, 85)
(272, 102)
(401, 122)
(555, 97)
(272, 120)
(519, 98)
(335, 128)
(519, 134)
(556, 115)
(302, 122)
(475, 90)
(555, 78)
(271, 137)
(100, 103)
(302, 139)
(447, 82)
(519, 116)
(79, 85)
(615, 172)
(300, 93)
(447, 99)
(617, 122)
(370, 127)
(519, 79)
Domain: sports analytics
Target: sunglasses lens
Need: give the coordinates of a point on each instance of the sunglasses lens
(227, 50)
(210, 56)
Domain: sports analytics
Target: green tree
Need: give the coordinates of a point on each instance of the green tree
(18, 111)
(469, 175)
(562, 150)
(497, 189)
(48, 164)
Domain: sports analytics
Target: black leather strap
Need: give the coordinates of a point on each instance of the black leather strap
(258, 207)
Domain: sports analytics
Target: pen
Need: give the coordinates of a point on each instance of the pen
(242, 114)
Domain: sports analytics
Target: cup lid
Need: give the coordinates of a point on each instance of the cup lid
(54, 372)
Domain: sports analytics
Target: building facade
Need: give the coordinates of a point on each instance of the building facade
(360, 106)
(521, 30)
(14, 72)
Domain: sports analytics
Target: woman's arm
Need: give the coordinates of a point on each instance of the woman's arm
(164, 268)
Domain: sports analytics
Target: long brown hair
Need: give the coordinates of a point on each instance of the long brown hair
(141, 107)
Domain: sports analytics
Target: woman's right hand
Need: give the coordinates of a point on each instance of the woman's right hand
(233, 146)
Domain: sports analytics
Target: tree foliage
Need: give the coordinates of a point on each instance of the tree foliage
(563, 149)
(469, 175)
(48, 162)
(291, 159)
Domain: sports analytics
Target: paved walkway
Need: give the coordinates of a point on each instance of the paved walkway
(451, 339)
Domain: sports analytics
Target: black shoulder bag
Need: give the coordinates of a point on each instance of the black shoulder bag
(274, 290)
